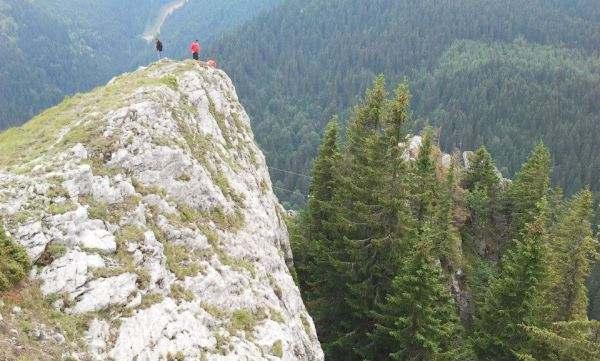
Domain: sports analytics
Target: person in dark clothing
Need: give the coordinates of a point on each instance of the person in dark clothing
(159, 48)
(195, 49)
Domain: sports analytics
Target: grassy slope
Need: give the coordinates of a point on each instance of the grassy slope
(74, 120)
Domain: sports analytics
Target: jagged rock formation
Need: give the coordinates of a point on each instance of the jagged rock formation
(148, 212)
(457, 282)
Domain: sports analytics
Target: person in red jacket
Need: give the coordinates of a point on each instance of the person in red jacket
(195, 49)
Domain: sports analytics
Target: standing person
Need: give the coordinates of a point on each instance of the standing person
(195, 49)
(159, 48)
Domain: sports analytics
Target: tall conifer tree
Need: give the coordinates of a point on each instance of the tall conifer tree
(320, 251)
(360, 222)
(514, 298)
(482, 183)
(574, 250)
(419, 321)
(530, 186)
(324, 184)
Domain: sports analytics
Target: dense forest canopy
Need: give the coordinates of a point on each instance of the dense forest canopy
(508, 96)
(512, 73)
(406, 254)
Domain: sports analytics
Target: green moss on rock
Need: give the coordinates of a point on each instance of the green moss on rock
(277, 349)
(181, 293)
(182, 261)
(242, 320)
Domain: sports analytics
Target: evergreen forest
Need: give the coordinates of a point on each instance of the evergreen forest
(404, 255)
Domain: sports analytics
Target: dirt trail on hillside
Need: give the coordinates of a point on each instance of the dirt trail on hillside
(164, 13)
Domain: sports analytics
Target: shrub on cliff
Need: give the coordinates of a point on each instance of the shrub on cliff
(14, 263)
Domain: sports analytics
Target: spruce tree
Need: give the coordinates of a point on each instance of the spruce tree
(564, 341)
(433, 203)
(321, 274)
(324, 184)
(482, 172)
(514, 297)
(529, 187)
(574, 250)
(426, 187)
(418, 321)
(482, 183)
(398, 177)
(364, 265)
(373, 210)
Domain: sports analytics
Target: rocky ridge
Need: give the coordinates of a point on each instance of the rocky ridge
(147, 210)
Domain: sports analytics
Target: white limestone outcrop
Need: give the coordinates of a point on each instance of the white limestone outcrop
(152, 213)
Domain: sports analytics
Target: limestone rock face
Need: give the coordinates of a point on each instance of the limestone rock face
(148, 210)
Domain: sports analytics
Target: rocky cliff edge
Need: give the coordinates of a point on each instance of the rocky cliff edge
(147, 211)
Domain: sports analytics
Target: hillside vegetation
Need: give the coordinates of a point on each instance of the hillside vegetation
(505, 74)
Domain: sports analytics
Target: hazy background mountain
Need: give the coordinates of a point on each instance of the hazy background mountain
(53, 48)
(505, 74)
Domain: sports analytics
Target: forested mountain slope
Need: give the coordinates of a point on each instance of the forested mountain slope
(507, 96)
(53, 48)
(307, 60)
(206, 20)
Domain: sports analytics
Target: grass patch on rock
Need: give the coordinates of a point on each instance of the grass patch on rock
(232, 222)
(125, 235)
(214, 311)
(181, 293)
(111, 213)
(179, 356)
(145, 190)
(305, 324)
(242, 320)
(61, 208)
(182, 261)
(36, 311)
(150, 300)
(237, 264)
